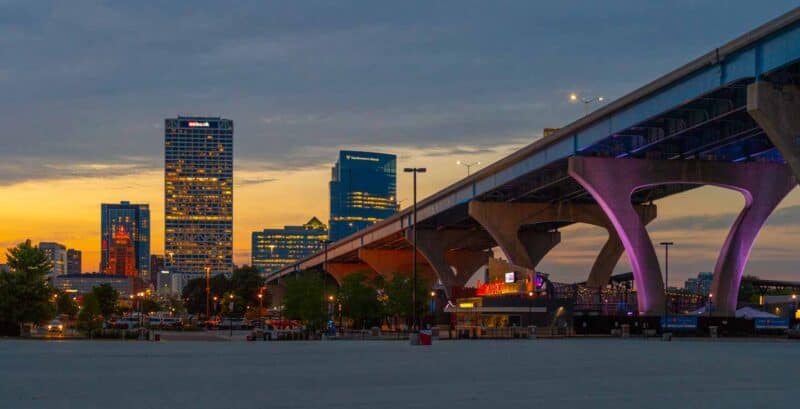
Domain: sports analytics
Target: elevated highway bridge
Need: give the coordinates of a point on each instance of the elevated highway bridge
(729, 118)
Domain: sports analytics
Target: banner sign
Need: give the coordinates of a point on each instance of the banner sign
(772, 323)
(679, 322)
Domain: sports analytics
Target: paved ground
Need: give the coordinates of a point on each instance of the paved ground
(577, 373)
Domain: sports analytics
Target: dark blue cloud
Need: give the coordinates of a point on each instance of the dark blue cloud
(83, 82)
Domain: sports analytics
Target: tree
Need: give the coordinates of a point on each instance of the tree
(24, 295)
(65, 305)
(150, 305)
(90, 318)
(107, 297)
(30, 260)
(194, 293)
(358, 299)
(303, 299)
(398, 295)
(246, 282)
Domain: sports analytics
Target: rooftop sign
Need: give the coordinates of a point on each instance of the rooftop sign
(197, 124)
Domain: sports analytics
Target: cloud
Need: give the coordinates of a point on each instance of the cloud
(787, 217)
(254, 181)
(14, 171)
(88, 82)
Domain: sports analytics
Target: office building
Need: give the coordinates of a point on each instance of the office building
(134, 219)
(74, 261)
(363, 191)
(274, 248)
(198, 196)
(700, 285)
(156, 267)
(58, 255)
(122, 255)
(79, 284)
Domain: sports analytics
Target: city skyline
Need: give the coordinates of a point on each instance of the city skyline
(284, 155)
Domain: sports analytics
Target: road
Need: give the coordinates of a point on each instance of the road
(566, 373)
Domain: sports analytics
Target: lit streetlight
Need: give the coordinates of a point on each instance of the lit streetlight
(575, 98)
(260, 306)
(666, 245)
(414, 318)
(468, 165)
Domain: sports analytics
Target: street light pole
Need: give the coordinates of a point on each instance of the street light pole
(586, 101)
(414, 318)
(666, 245)
(324, 271)
(260, 306)
(468, 165)
(208, 292)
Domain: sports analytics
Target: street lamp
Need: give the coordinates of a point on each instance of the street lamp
(468, 165)
(414, 318)
(666, 245)
(325, 244)
(586, 101)
(530, 308)
(208, 292)
(710, 302)
(260, 306)
(230, 314)
(433, 306)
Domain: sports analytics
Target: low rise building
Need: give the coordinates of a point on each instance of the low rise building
(79, 284)
(276, 248)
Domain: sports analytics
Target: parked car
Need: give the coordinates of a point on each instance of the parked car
(235, 323)
(55, 326)
(126, 323)
(165, 322)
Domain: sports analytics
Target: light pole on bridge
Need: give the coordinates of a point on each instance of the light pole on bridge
(468, 165)
(586, 101)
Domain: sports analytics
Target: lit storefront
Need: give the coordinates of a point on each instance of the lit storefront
(506, 305)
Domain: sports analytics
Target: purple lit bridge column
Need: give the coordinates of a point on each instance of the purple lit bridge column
(612, 182)
(503, 221)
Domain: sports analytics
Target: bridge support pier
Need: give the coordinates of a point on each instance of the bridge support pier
(439, 248)
(341, 270)
(389, 262)
(612, 182)
(776, 109)
(503, 221)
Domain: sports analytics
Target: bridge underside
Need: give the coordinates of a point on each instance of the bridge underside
(743, 135)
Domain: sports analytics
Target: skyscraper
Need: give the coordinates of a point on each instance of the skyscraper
(135, 220)
(156, 267)
(58, 255)
(275, 248)
(74, 261)
(198, 195)
(363, 191)
(122, 255)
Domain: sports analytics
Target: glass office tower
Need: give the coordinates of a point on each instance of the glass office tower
(363, 191)
(198, 195)
(276, 248)
(134, 219)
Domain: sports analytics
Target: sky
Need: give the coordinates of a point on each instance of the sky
(85, 88)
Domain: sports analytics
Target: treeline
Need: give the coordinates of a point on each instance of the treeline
(362, 300)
